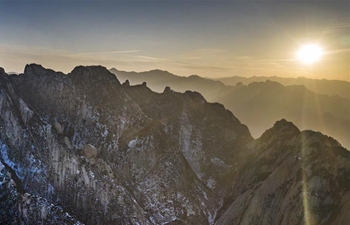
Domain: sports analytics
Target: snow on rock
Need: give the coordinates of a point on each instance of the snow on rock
(211, 183)
(219, 162)
(132, 143)
(5, 156)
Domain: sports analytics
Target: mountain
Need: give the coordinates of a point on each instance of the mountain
(112, 153)
(260, 104)
(294, 181)
(82, 148)
(327, 87)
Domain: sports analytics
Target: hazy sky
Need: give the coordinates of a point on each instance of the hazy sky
(208, 38)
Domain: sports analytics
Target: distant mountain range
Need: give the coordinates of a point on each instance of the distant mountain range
(259, 104)
(328, 87)
(157, 80)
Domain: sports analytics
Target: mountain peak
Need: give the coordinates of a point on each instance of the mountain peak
(159, 71)
(283, 123)
(37, 69)
(195, 96)
(266, 84)
(2, 71)
(93, 72)
(126, 83)
(194, 76)
(281, 129)
(113, 70)
(167, 90)
(89, 69)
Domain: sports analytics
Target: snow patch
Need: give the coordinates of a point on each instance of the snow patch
(211, 183)
(132, 143)
(16, 167)
(92, 175)
(190, 210)
(205, 195)
(211, 217)
(105, 133)
(219, 162)
(5, 157)
(35, 165)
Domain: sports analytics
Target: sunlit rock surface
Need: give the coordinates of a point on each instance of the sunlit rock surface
(292, 177)
(82, 148)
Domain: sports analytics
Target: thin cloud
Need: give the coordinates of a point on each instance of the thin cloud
(197, 66)
(334, 26)
(338, 50)
(149, 58)
(203, 53)
(109, 52)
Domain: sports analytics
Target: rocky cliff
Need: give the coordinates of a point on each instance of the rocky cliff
(83, 148)
(292, 177)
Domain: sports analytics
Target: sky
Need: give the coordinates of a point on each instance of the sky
(206, 38)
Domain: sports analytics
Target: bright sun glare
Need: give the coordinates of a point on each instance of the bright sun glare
(309, 54)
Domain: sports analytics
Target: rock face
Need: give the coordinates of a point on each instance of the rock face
(107, 153)
(298, 178)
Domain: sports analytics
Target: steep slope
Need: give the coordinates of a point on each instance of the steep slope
(298, 178)
(17, 141)
(18, 207)
(118, 154)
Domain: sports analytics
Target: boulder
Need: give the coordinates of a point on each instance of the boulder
(58, 128)
(90, 151)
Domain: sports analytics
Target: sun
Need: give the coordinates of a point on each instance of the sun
(310, 53)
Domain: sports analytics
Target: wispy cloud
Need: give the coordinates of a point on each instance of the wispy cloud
(109, 52)
(332, 26)
(196, 66)
(150, 58)
(203, 53)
